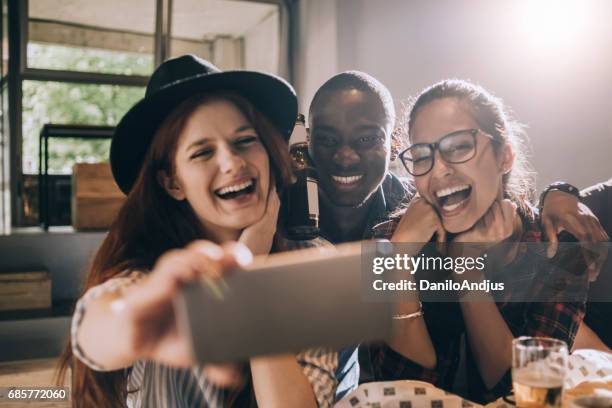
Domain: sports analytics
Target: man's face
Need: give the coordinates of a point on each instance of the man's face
(350, 144)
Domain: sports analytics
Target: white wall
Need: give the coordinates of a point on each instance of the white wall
(562, 91)
(261, 45)
(317, 49)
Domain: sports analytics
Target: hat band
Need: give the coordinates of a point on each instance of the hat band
(180, 81)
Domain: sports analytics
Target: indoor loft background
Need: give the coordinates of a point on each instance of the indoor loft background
(86, 62)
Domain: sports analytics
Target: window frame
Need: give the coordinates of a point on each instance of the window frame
(18, 71)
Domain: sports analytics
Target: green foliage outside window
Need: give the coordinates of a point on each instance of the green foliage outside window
(61, 103)
(66, 103)
(53, 56)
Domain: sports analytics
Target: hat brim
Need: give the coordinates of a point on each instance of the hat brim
(271, 95)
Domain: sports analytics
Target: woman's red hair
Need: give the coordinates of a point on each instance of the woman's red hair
(150, 223)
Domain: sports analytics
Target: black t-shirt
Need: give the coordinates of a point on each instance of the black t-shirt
(599, 309)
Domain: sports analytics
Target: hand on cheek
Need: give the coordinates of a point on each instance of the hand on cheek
(419, 223)
(259, 237)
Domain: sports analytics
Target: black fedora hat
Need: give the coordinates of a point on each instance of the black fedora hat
(176, 80)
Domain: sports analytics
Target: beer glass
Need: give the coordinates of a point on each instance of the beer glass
(538, 370)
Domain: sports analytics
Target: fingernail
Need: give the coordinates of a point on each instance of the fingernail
(242, 254)
(118, 306)
(214, 287)
(384, 247)
(214, 252)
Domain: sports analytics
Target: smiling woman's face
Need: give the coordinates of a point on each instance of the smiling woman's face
(462, 193)
(221, 168)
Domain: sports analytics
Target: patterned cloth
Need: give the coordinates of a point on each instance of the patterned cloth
(402, 394)
(446, 327)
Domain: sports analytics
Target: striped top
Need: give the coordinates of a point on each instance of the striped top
(151, 384)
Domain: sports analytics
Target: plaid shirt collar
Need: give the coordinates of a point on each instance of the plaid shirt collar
(386, 200)
(392, 193)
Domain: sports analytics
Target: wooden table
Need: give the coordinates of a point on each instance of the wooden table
(30, 373)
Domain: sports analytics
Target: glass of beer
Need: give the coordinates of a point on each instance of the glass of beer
(538, 370)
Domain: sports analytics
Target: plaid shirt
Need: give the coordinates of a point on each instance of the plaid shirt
(446, 328)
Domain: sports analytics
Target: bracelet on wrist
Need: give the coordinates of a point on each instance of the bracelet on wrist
(558, 186)
(410, 316)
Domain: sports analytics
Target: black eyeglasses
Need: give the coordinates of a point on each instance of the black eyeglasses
(456, 147)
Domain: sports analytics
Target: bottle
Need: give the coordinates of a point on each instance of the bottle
(302, 197)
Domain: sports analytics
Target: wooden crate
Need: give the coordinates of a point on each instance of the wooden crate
(25, 290)
(96, 199)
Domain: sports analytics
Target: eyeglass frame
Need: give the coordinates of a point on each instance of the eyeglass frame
(436, 146)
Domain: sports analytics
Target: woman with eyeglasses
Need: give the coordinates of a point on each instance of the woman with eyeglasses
(473, 186)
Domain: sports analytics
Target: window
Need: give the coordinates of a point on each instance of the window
(58, 57)
(86, 62)
(66, 103)
(92, 36)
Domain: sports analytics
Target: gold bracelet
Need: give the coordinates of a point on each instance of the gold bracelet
(408, 316)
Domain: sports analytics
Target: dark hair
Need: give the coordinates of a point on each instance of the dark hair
(493, 118)
(150, 223)
(362, 82)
